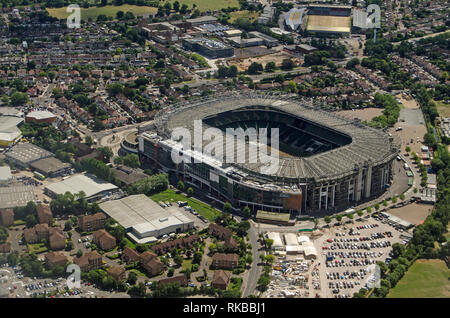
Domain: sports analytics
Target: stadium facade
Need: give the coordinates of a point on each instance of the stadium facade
(326, 162)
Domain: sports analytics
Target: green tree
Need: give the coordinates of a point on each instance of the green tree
(190, 191)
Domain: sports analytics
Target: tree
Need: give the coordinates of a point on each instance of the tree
(68, 225)
(180, 185)
(269, 243)
(249, 259)
(246, 212)
(327, 219)
(360, 213)
(377, 206)
(30, 221)
(402, 197)
(190, 191)
(287, 64)
(88, 140)
(350, 216)
(178, 260)
(270, 258)
(385, 203)
(170, 272)
(132, 161)
(369, 209)
(255, 68)
(270, 66)
(119, 14)
(132, 278)
(262, 257)
(408, 149)
(227, 208)
(397, 250)
(18, 98)
(316, 221)
(338, 218)
(263, 282)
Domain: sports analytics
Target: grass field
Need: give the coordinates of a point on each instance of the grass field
(37, 248)
(424, 279)
(203, 209)
(187, 264)
(94, 12)
(328, 23)
(252, 16)
(207, 5)
(442, 108)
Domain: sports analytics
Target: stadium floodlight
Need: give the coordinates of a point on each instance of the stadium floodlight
(294, 18)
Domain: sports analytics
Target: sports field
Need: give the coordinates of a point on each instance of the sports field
(320, 23)
(94, 12)
(207, 5)
(424, 279)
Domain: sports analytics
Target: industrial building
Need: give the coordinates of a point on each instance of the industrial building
(5, 175)
(93, 187)
(210, 48)
(40, 116)
(9, 132)
(23, 154)
(202, 20)
(144, 219)
(16, 196)
(51, 167)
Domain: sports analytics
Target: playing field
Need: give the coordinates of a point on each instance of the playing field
(320, 23)
(424, 279)
(207, 5)
(94, 12)
(251, 16)
(442, 108)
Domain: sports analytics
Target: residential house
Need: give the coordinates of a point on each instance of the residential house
(57, 240)
(221, 279)
(7, 217)
(104, 240)
(54, 259)
(129, 255)
(185, 242)
(180, 279)
(225, 261)
(5, 248)
(89, 261)
(117, 272)
(151, 263)
(44, 214)
(89, 223)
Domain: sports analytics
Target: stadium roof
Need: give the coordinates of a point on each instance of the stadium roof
(367, 146)
(89, 184)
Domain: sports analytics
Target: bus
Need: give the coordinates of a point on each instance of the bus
(39, 176)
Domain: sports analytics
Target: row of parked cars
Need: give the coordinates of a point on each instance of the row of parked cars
(192, 211)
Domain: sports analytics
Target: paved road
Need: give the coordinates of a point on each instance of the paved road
(255, 270)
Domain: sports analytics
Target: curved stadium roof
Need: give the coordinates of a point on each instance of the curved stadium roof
(368, 145)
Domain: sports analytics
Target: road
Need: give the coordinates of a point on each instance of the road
(255, 270)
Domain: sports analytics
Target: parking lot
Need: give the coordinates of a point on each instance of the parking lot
(199, 221)
(347, 251)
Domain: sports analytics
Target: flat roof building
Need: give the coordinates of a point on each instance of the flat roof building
(9, 132)
(202, 20)
(210, 48)
(40, 116)
(144, 219)
(51, 167)
(93, 187)
(16, 196)
(5, 175)
(24, 154)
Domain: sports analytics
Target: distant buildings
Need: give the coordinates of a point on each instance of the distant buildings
(267, 15)
(23, 154)
(210, 48)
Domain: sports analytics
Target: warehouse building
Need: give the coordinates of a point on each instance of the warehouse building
(51, 167)
(277, 242)
(40, 116)
(202, 20)
(24, 154)
(16, 196)
(93, 187)
(144, 219)
(5, 175)
(9, 132)
(210, 48)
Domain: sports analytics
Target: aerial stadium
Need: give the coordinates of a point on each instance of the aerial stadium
(326, 163)
(329, 19)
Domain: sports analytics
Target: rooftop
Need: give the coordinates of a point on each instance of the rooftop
(90, 184)
(16, 196)
(49, 165)
(27, 153)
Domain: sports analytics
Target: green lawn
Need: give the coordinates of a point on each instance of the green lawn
(207, 5)
(37, 248)
(94, 12)
(424, 279)
(252, 16)
(19, 222)
(130, 244)
(187, 264)
(442, 108)
(202, 208)
(137, 272)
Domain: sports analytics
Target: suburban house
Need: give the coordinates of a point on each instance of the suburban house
(57, 240)
(7, 217)
(44, 214)
(129, 255)
(89, 261)
(185, 242)
(5, 248)
(225, 261)
(117, 272)
(221, 279)
(89, 223)
(180, 279)
(104, 240)
(43, 232)
(222, 233)
(55, 259)
(151, 263)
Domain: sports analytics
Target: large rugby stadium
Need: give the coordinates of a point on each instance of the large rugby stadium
(326, 163)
